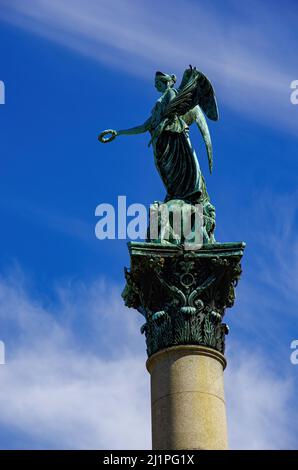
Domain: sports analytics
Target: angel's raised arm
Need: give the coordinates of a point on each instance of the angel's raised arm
(136, 130)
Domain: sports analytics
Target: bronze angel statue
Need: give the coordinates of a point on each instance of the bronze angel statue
(168, 125)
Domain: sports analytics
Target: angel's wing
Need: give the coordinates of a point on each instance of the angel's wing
(196, 115)
(195, 89)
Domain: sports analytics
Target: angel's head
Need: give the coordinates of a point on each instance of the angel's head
(164, 81)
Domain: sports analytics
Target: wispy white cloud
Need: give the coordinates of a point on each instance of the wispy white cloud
(280, 241)
(247, 53)
(259, 403)
(60, 390)
(61, 394)
(266, 304)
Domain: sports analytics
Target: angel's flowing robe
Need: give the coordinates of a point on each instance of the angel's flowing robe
(175, 159)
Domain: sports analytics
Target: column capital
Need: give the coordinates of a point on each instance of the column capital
(183, 294)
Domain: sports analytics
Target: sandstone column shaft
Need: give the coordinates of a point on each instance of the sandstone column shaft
(187, 399)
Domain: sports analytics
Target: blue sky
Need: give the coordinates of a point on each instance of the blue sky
(75, 358)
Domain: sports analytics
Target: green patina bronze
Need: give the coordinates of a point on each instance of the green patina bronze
(168, 125)
(182, 294)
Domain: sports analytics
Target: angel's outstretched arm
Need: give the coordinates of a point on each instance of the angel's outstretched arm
(136, 130)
